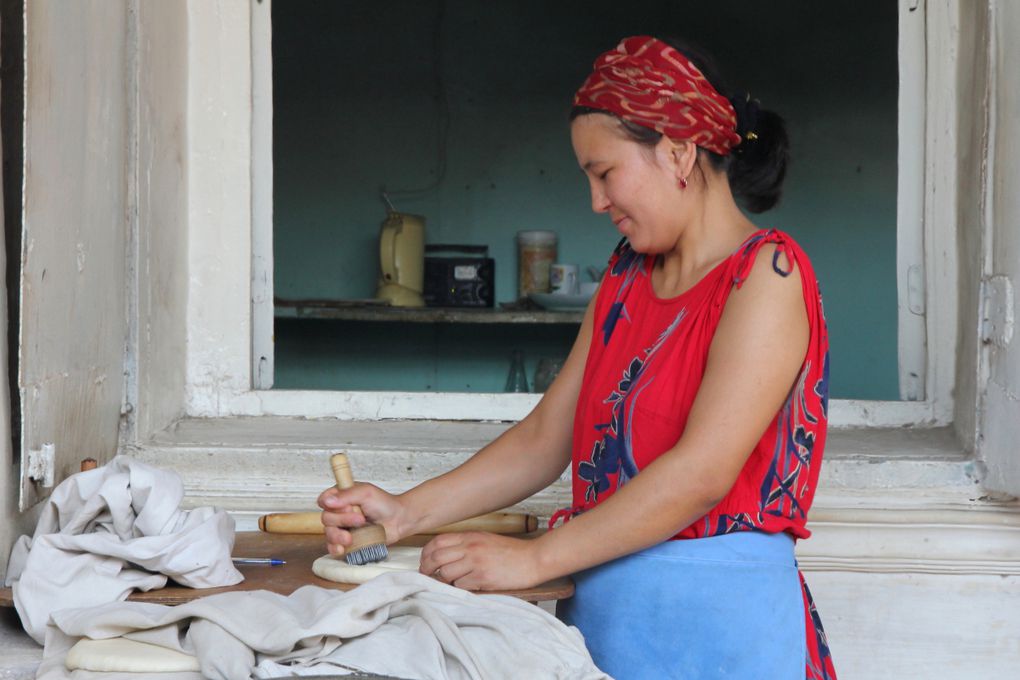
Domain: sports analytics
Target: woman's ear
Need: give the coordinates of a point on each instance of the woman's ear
(683, 156)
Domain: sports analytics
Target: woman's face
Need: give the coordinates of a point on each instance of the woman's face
(635, 184)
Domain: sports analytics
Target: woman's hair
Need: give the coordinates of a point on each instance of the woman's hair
(757, 166)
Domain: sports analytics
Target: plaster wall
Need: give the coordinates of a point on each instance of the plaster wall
(917, 625)
(999, 407)
(972, 79)
(159, 183)
(218, 161)
(74, 297)
(944, 109)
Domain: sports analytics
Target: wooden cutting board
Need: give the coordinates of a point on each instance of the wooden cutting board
(299, 551)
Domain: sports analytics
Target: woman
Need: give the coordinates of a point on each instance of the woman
(697, 390)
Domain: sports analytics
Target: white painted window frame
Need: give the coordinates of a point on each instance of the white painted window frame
(926, 255)
(263, 363)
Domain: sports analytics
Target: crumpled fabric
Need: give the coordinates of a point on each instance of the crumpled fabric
(403, 625)
(112, 530)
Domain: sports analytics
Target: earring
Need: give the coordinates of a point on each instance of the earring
(683, 182)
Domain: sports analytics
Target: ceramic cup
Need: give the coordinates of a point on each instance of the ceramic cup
(563, 279)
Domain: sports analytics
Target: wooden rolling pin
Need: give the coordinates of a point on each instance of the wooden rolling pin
(494, 522)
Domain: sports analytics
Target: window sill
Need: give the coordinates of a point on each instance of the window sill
(212, 400)
(287, 457)
(889, 500)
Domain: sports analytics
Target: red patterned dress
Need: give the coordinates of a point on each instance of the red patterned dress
(644, 368)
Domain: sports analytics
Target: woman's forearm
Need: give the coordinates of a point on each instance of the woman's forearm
(525, 459)
(522, 461)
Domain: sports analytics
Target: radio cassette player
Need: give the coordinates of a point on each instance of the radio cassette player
(459, 276)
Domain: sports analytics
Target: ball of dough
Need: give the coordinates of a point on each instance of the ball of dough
(119, 655)
(401, 558)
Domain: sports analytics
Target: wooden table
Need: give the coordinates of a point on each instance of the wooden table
(299, 551)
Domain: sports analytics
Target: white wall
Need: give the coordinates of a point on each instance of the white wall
(916, 626)
(972, 80)
(73, 275)
(219, 201)
(999, 419)
(157, 361)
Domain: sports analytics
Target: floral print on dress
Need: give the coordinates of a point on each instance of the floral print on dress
(627, 263)
(613, 453)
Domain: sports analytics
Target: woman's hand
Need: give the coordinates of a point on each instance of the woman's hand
(481, 561)
(378, 507)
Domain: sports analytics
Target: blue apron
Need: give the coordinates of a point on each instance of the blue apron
(722, 607)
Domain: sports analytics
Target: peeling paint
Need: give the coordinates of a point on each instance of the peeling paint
(73, 323)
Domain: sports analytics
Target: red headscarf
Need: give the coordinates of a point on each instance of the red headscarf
(645, 81)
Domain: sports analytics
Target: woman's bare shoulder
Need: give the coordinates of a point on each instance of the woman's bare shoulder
(774, 279)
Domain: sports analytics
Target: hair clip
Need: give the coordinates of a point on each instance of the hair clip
(751, 136)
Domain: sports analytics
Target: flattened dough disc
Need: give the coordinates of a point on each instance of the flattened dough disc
(118, 655)
(401, 558)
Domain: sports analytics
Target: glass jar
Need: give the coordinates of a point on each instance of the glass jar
(536, 251)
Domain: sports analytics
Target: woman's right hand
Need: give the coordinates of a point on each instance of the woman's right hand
(338, 515)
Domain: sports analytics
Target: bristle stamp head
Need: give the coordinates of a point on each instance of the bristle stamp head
(368, 554)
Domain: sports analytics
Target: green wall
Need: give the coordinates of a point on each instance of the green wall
(476, 95)
(376, 356)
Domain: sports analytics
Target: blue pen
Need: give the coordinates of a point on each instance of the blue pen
(266, 561)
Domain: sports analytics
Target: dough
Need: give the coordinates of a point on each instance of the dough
(118, 655)
(401, 558)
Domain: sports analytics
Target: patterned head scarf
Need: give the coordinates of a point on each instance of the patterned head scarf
(647, 82)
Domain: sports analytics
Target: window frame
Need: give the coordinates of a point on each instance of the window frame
(926, 261)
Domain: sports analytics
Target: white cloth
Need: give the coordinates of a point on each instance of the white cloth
(404, 625)
(108, 531)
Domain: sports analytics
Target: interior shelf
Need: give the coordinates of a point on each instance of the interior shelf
(346, 310)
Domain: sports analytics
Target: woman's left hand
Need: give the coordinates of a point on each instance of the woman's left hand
(481, 561)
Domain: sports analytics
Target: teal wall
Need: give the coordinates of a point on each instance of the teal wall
(376, 356)
(402, 93)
